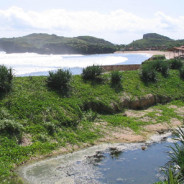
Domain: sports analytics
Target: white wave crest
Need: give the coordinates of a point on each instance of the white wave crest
(31, 62)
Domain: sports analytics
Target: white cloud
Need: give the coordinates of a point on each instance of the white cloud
(118, 26)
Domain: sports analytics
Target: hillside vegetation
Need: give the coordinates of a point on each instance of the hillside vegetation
(35, 119)
(53, 44)
(155, 42)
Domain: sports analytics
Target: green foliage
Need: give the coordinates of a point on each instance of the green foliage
(149, 69)
(162, 66)
(51, 127)
(53, 44)
(182, 72)
(154, 41)
(171, 178)
(60, 80)
(10, 127)
(52, 120)
(174, 169)
(92, 73)
(6, 77)
(158, 57)
(175, 63)
(148, 73)
(90, 116)
(116, 79)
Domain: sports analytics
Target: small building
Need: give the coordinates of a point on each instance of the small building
(178, 51)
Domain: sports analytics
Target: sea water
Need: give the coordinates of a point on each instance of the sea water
(104, 164)
(32, 64)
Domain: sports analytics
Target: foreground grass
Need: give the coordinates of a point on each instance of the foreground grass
(51, 121)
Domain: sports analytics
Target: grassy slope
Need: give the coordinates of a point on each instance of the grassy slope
(35, 107)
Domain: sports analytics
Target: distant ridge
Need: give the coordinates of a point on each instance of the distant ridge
(153, 41)
(53, 44)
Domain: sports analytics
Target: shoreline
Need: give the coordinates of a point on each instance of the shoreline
(152, 137)
(116, 135)
(168, 55)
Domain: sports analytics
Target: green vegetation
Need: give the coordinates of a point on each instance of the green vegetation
(158, 57)
(150, 68)
(174, 169)
(155, 42)
(6, 77)
(182, 72)
(116, 80)
(92, 73)
(53, 44)
(148, 73)
(175, 63)
(35, 120)
(60, 80)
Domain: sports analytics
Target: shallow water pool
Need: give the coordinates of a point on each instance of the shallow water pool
(109, 164)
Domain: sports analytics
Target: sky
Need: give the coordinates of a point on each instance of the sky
(118, 21)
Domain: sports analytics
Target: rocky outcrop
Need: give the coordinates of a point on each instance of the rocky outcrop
(125, 102)
(143, 102)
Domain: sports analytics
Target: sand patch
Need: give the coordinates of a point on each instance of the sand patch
(148, 119)
(159, 127)
(180, 111)
(121, 135)
(134, 114)
(175, 122)
(173, 107)
(26, 140)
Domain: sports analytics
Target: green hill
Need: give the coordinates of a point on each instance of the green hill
(153, 41)
(53, 44)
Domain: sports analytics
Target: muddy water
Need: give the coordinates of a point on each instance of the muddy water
(108, 163)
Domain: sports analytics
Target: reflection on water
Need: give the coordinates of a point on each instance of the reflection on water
(110, 164)
(115, 153)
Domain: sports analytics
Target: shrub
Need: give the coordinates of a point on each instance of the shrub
(148, 73)
(175, 63)
(10, 127)
(89, 116)
(158, 57)
(92, 73)
(60, 80)
(4, 114)
(164, 68)
(6, 77)
(50, 127)
(182, 72)
(116, 79)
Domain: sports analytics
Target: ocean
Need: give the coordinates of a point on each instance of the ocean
(32, 64)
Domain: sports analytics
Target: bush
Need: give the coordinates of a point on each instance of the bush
(89, 116)
(182, 72)
(92, 73)
(116, 79)
(148, 73)
(10, 127)
(60, 80)
(163, 67)
(51, 128)
(6, 77)
(158, 57)
(175, 63)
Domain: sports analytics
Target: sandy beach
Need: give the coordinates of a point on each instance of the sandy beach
(168, 55)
